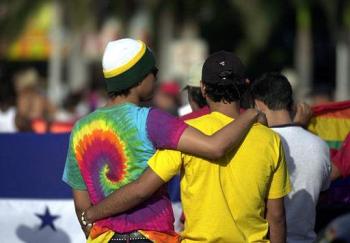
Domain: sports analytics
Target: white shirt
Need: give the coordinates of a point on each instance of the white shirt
(309, 167)
(7, 121)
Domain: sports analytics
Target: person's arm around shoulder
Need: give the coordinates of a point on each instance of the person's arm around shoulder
(217, 145)
(167, 132)
(276, 218)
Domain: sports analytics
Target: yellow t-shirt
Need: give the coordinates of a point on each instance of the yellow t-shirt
(224, 200)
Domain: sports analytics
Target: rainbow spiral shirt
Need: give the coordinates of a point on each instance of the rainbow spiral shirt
(109, 148)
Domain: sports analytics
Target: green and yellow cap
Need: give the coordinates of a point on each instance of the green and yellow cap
(125, 63)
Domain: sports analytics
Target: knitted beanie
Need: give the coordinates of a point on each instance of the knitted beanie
(125, 63)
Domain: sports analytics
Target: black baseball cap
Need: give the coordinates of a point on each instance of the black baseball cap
(221, 67)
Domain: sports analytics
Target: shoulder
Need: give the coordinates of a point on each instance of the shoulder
(263, 132)
(195, 114)
(84, 120)
(263, 139)
(141, 108)
(312, 139)
(204, 120)
(135, 110)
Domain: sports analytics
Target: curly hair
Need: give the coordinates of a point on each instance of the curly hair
(226, 90)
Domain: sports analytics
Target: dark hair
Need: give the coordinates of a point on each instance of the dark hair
(126, 92)
(7, 93)
(228, 90)
(196, 95)
(274, 90)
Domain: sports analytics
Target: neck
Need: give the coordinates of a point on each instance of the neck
(277, 118)
(131, 98)
(228, 109)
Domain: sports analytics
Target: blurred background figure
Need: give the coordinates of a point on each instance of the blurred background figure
(33, 106)
(32, 102)
(193, 88)
(197, 105)
(167, 97)
(306, 39)
(7, 109)
(70, 111)
(337, 231)
(322, 94)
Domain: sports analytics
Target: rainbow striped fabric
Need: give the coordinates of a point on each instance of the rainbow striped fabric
(331, 122)
(110, 148)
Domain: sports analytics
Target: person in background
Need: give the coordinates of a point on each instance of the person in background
(7, 109)
(32, 103)
(307, 155)
(238, 198)
(10, 119)
(196, 100)
(68, 113)
(110, 147)
(31, 100)
(341, 160)
(322, 94)
(337, 231)
(167, 97)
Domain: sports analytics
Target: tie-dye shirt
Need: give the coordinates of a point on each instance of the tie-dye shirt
(109, 148)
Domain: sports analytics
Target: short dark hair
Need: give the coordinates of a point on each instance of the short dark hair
(7, 93)
(196, 95)
(226, 91)
(274, 90)
(125, 92)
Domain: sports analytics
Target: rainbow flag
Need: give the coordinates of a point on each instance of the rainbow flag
(331, 122)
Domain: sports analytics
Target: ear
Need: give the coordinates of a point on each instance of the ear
(260, 105)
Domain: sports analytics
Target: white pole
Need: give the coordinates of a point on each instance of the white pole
(55, 61)
(304, 61)
(342, 91)
(77, 65)
(165, 35)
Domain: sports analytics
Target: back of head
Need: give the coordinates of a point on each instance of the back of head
(223, 77)
(274, 90)
(126, 62)
(193, 87)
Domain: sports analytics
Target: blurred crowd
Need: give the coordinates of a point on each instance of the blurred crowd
(26, 107)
